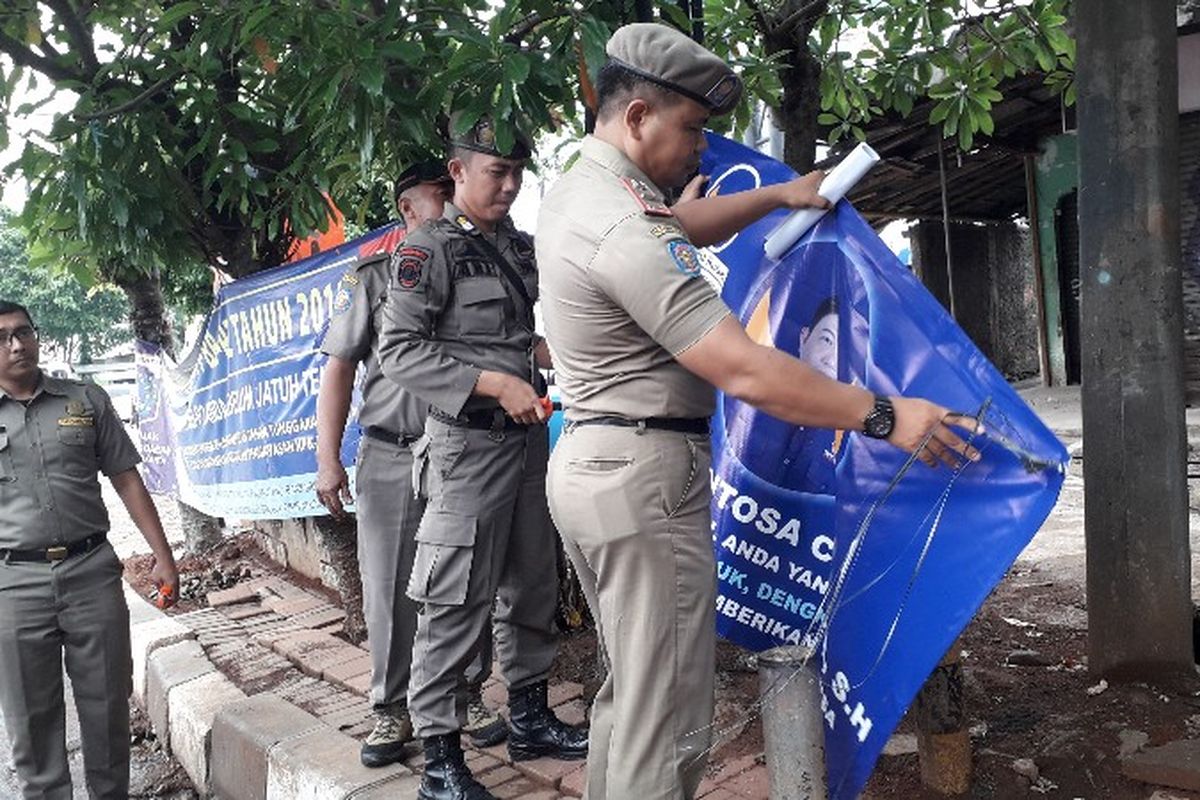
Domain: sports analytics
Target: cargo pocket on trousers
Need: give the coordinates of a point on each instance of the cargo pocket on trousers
(445, 550)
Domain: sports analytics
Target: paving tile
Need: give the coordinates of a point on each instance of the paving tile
(573, 782)
(359, 683)
(501, 773)
(521, 787)
(247, 611)
(337, 673)
(317, 619)
(559, 693)
(316, 662)
(573, 712)
(291, 606)
(227, 597)
(547, 771)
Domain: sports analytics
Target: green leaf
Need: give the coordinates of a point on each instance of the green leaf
(255, 19)
(516, 69)
(407, 51)
(371, 78)
(167, 20)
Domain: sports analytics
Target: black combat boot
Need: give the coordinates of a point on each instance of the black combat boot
(446, 774)
(536, 732)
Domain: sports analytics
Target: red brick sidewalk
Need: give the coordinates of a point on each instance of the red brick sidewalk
(267, 635)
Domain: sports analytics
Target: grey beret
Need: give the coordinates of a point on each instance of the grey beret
(665, 56)
(481, 137)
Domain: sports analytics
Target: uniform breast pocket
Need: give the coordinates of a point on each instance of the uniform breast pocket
(78, 449)
(479, 307)
(7, 473)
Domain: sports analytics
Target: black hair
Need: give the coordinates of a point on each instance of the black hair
(616, 86)
(9, 307)
(828, 306)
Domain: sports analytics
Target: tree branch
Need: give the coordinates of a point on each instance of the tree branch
(23, 56)
(527, 25)
(133, 103)
(78, 33)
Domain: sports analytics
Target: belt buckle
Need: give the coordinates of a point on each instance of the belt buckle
(58, 553)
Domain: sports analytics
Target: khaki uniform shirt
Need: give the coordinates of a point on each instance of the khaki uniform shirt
(51, 452)
(621, 293)
(353, 335)
(449, 313)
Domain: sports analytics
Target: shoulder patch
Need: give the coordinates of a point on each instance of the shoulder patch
(685, 256)
(410, 261)
(343, 299)
(351, 277)
(651, 204)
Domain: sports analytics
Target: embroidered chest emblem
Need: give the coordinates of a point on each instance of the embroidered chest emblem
(660, 231)
(464, 223)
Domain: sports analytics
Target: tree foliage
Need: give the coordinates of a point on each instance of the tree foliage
(77, 323)
(213, 133)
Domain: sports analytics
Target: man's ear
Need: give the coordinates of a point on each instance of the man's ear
(405, 207)
(457, 169)
(635, 117)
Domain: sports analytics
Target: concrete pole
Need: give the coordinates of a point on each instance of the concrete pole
(1135, 440)
(793, 729)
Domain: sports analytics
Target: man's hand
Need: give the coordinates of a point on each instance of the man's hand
(165, 576)
(693, 190)
(802, 192)
(333, 487)
(915, 418)
(521, 402)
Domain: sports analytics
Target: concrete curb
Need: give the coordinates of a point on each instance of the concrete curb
(243, 748)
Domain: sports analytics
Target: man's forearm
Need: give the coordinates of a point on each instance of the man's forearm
(709, 220)
(333, 407)
(140, 506)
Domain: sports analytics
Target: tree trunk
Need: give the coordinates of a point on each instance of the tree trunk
(148, 317)
(147, 310)
(787, 32)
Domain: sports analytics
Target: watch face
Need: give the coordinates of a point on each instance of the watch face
(880, 420)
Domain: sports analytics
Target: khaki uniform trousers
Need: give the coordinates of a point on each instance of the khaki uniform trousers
(72, 611)
(388, 512)
(633, 510)
(486, 534)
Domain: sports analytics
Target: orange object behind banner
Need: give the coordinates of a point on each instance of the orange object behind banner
(319, 242)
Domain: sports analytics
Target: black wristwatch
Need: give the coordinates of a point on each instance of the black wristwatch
(880, 420)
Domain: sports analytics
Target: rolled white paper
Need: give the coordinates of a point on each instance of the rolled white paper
(837, 183)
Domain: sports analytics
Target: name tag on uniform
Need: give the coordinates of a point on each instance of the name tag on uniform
(77, 422)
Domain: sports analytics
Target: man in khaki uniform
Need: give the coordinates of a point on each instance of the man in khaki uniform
(61, 597)
(458, 333)
(388, 510)
(639, 340)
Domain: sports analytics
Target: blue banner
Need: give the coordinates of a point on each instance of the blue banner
(232, 429)
(837, 541)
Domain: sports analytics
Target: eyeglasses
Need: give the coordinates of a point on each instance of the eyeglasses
(25, 335)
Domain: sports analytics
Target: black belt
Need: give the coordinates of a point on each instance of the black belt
(56, 553)
(391, 437)
(486, 419)
(676, 424)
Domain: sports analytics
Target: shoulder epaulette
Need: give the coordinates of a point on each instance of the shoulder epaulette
(649, 201)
